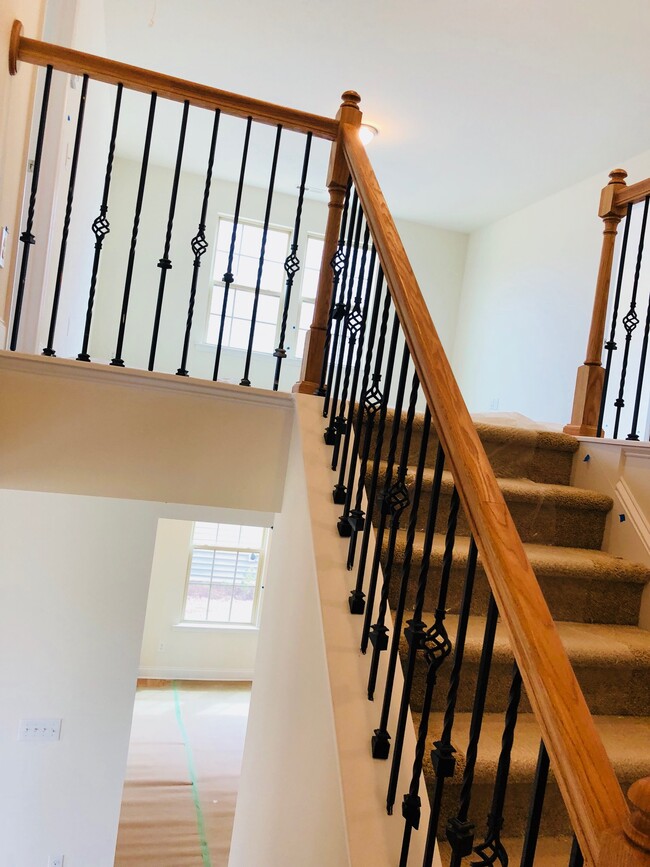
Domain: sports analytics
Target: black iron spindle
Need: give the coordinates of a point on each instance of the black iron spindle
(27, 239)
(611, 346)
(291, 266)
(535, 810)
(395, 500)
(164, 263)
(354, 320)
(338, 313)
(357, 596)
(336, 264)
(633, 435)
(492, 848)
(199, 244)
(460, 831)
(442, 756)
(380, 746)
(355, 413)
(118, 361)
(630, 320)
(386, 500)
(576, 859)
(49, 349)
(101, 226)
(260, 264)
(414, 634)
(229, 277)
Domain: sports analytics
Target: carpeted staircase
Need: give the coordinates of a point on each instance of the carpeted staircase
(595, 600)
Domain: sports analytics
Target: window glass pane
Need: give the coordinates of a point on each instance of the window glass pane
(204, 533)
(220, 264)
(277, 246)
(220, 598)
(217, 300)
(247, 564)
(239, 333)
(246, 273)
(212, 335)
(268, 308)
(196, 603)
(228, 535)
(243, 306)
(251, 240)
(251, 537)
(242, 605)
(306, 314)
(309, 284)
(314, 253)
(224, 566)
(300, 344)
(201, 567)
(273, 277)
(264, 339)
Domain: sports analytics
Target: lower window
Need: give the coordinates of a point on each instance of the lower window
(225, 575)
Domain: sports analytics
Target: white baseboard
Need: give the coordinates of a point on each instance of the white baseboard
(170, 673)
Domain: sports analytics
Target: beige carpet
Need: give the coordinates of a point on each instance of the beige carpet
(183, 768)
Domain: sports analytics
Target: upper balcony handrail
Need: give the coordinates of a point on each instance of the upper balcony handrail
(167, 86)
(583, 770)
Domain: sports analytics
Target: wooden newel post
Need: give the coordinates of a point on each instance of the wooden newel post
(630, 846)
(337, 180)
(590, 378)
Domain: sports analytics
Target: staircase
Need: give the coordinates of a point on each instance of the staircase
(594, 598)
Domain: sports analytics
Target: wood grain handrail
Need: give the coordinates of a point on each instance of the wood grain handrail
(177, 89)
(584, 773)
(631, 194)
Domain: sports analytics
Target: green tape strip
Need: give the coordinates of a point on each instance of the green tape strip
(205, 852)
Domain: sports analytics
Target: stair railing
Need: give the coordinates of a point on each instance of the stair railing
(599, 409)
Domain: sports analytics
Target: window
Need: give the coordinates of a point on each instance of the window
(308, 290)
(245, 264)
(225, 574)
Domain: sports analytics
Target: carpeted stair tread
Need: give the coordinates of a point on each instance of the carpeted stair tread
(578, 583)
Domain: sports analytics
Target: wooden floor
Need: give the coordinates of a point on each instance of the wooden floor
(183, 768)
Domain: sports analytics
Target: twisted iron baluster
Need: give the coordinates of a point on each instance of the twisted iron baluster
(388, 499)
(395, 500)
(118, 361)
(460, 832)
(27, 239)
(371, 401)
(291, 266)
(415, 635)
(611, 346)
(633, 435)
(535, 811)
(49, 349)
(260, 264)
(229, 277)
(101, 227)
(199, 245)
(164, 263)
(492, 849)
(333, 430)
(337, 263)
(630, 320)
(379, 744)
(353, 322)
(442, 756)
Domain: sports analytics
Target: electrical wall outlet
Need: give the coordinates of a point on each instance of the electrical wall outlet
(39, 730)
(55, 861)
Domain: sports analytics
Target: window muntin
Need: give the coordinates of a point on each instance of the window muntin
(225, 574)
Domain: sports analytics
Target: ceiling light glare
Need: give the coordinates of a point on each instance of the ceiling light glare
(367, 133)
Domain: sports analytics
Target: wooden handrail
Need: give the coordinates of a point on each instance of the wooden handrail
(584, 773)
(630, 195)
(177, 89)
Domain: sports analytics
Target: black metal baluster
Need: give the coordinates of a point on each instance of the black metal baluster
(442, 756)
(460, 831)
(165, 263)
(336, 264)
(355, 413)
(395, 500)
(291, 266)
(492, 848)
(357, 596)
(611, 346)
(630, 320)
(345, 526)
(633, 435)
(576, 859)
(333, 432)
(118, 361)
(380, 746)
(229, 277)
(260, 264)
(385, 501)
(199, 245)
(26, 237)
(414, 634)
(338, 313)
(535, 811)
(101, 227)
(49, 349)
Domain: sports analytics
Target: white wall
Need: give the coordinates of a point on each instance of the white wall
(526, 302)
(174, 650)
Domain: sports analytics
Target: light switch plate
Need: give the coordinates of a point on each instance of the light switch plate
(39, 730)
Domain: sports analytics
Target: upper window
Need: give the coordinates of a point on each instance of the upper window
(225, 574)
(309, 286)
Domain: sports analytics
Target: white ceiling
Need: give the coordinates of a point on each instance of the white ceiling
(483, 106)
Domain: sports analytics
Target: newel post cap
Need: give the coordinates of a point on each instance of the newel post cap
(617, 176)
(637, 823)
